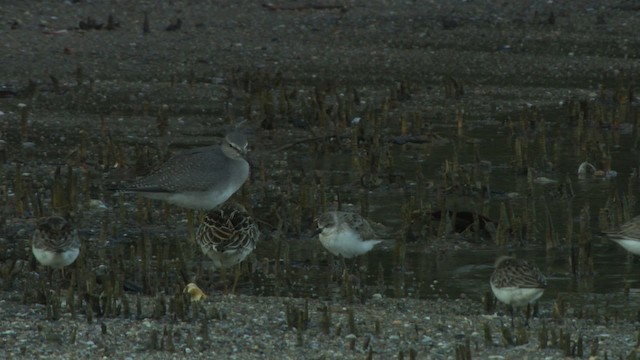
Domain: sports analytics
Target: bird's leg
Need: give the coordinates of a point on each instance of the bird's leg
(62, 279)
(190, 227)
(347, 286)
(56, 291)
(236, 278)
(223, 278)
(527, 315)
(356, 275)
(71, 290)
(50, 272)
(511, 309)
(343, 263)
(346, 280)
(355, 265)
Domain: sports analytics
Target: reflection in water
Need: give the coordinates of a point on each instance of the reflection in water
(447, 266)
(456, 270)
(312, 272)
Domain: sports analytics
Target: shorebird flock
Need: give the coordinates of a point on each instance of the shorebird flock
(205, 178)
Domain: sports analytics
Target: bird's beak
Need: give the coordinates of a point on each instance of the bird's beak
(316, 233)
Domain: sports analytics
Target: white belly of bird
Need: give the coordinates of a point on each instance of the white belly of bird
(632, 246)
(201, 200)
(347, 244)
(55, 259)
(228, 258)
(517, 296)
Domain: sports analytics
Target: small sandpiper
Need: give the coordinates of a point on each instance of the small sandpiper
(200, 178)
(227, 235)
(55, 243)
(628, 235)
(346, 234)
(516, 283)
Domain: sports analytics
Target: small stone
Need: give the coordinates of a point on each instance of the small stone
(426, 340)
(97, 204)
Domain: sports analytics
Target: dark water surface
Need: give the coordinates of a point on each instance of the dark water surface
(449, 266)
(450, 270)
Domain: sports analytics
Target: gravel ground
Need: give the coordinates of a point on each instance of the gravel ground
(246, 327)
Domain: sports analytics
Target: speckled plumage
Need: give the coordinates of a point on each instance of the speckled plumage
(628, 235)
(200, 178)
(55, 243)
(516, 282)
(346, 234)
(227, 235)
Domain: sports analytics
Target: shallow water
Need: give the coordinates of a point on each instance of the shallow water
(446, 267)
(465, 269)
